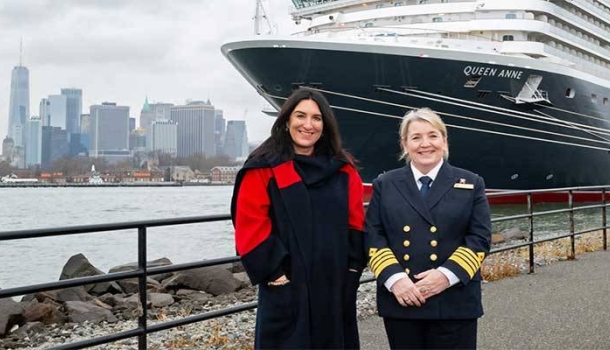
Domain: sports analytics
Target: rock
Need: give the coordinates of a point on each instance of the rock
(79, 266)
(62, 295)
(47, 313)
(11, 314)
(79, 312)
(130, 286)
(497, 238)
(154, 263)
(514, 233)
(214, 280)
(160, 299)
(29, 328)
(243, 278)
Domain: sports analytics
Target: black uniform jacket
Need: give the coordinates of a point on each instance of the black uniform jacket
(449, 227)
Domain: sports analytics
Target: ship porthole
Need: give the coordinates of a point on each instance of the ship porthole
(549, 176)
(514, 176)
(277, 87)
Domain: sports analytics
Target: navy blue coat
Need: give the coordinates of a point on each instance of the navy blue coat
(449, 227)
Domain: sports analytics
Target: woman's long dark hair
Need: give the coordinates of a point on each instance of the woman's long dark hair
(280, 144)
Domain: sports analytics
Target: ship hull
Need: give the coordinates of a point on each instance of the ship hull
(371, 88)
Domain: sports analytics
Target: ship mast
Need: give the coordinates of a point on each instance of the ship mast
(259, 16)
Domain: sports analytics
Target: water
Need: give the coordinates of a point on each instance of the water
(32, 261)
(40, 260)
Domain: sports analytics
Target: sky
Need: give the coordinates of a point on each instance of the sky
(126, 50)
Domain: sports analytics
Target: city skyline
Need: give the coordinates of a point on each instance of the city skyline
(125, 51)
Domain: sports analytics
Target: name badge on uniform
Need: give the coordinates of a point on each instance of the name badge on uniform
(463, 185)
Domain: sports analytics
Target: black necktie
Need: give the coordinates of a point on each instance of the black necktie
(425, 184)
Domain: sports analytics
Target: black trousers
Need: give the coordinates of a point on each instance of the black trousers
(431, 334)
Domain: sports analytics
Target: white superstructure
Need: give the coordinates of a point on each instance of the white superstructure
(573, 33)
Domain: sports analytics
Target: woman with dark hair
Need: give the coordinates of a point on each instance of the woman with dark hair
(298, 216)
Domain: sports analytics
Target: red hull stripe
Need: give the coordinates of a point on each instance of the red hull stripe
(285, 175)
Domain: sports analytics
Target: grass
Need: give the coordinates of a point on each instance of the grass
(514, 262)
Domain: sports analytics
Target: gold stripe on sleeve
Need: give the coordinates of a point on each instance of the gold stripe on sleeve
(463, 264)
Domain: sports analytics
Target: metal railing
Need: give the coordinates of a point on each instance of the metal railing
(142, 272)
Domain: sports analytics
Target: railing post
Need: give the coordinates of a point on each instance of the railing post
(571, 215)
(605, 231)
(142, 286)
(530, 211)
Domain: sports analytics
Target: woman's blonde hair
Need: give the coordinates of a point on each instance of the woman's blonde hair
(427, 115)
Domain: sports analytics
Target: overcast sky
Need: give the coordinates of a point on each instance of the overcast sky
(124, 50)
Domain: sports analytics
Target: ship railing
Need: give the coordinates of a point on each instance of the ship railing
(142, 272)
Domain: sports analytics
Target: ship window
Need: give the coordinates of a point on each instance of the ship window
(423, 1)
(368, 24)
(594, 98)
(437, 19)
(472, 82)
(605, 100)
(510, 16)
(398, 3)
(378, 6)
(570, 93)
(508, 38)
(482, 94)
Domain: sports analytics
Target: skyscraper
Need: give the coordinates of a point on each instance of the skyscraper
(108, 128)
(33, 147)
(163, 137)
(195, 128)
(219, 131)
(19, 104)
(236, 142)
(74, 108)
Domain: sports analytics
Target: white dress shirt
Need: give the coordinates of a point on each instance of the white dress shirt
(453, 279)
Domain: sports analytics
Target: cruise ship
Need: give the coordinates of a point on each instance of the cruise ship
(523, 85)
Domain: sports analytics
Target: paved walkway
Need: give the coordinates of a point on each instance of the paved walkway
(565, 305)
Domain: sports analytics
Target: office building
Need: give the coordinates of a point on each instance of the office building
(163, 137)
(33, 147)
(74, 109)
(236, 140)
(108, 129)
(195, 128)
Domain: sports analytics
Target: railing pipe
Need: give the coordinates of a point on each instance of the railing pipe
(142, 286)
(530, 211)
(604, 220)
(571, 216)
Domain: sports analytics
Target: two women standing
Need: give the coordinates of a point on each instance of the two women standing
(299, 219)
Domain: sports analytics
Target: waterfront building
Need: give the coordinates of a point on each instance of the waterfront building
(163, 137)
(108, 129)
(19, 104)
(224, 174)
(33, 146)
(74, 109)
(53, 111)
(219, 131)
(236, 141)
(195, 128)
(7, 148)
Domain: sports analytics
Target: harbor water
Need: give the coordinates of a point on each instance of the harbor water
(32, 261)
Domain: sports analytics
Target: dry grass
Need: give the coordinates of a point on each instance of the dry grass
(514, 262)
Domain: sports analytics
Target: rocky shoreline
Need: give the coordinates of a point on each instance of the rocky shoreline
(53, 318)
(228, 332)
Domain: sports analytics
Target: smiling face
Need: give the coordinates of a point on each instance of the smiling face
(305, 126)
(425, 145)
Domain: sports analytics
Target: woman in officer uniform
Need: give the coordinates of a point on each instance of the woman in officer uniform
(428, 229)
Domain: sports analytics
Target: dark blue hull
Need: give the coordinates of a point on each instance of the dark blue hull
(507, 158)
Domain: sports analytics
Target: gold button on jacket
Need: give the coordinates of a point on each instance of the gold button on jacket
(407, 228)
(433, 243)
(433, 257)
(407, 257)
(433, 229)
(406, 243)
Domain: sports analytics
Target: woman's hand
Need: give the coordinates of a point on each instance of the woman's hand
(431, 282)
(407, 293)
(280, 281)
